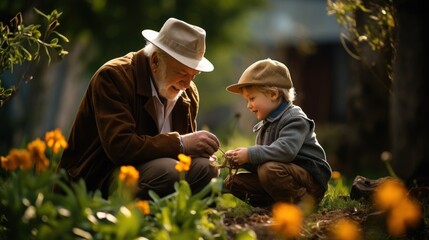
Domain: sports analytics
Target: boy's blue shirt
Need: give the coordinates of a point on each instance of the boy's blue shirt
(282, 106)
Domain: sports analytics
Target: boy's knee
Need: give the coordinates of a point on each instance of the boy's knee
(269, 171)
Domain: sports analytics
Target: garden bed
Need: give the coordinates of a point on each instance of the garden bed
(320, 223)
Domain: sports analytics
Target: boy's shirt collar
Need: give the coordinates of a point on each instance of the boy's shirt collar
(276, 112)
(274, 115)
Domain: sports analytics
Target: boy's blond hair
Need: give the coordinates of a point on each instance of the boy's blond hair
(283, 93)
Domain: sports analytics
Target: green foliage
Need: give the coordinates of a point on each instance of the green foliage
(376, 33)
(182, 215)
(20, 44)
(30, 209)
(246, 235)
(337, 196)
(233, 206)
(5, 93)
(370, 25)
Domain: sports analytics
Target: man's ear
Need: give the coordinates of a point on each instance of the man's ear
(154, 61)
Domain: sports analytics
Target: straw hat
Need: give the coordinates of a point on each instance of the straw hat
(264, 72)
(183, 41)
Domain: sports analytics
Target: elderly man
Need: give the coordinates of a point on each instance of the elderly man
(141, 110)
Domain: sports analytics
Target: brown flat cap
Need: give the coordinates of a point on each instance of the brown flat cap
(266, 72)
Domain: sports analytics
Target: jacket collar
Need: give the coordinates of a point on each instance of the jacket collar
(143, 73)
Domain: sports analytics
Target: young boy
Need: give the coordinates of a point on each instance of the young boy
(287, 163)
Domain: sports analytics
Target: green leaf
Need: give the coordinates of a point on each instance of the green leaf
(52, 26)
(54, 41)
(154, 196)
(246, 235)
(166, 219)
(227, 201)
(64, 38)
(128, 224)
(40, 13)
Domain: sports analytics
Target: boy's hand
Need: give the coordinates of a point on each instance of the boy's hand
(239, 155)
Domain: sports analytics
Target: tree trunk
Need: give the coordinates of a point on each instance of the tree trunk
(368, 133)
(410, 109)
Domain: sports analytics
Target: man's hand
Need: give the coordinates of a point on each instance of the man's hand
(200, 143)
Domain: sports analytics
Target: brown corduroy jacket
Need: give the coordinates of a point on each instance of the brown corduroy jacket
(115, 123)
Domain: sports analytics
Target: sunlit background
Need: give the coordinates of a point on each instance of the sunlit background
(348, 103)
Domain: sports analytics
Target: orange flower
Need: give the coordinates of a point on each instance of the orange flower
(346, 229)
(184, 163)
(17, 158)
(402, 211)
(288, 219)
(8, 164)
(406, 214)
(37, 151)
(144, 207)
(55, 140)
(389, 193)
(129, 175)
(336, 175)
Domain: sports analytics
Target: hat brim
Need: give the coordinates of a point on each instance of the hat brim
(203, 65)
(235, 88)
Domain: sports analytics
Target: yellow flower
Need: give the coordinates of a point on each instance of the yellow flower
(406, 214)
(288, 219)
(55, 140)
(184, 163)
(389, 193)
(37, 151)
(144, 207)
(129, 175)
(346, 229)
(336, 175)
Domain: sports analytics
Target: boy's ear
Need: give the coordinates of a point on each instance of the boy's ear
(274, 95)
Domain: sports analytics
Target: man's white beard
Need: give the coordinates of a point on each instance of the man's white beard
(162, 87)
(165, 93)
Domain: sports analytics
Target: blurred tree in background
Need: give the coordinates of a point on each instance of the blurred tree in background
(103, 29)
(385, 97)
(369, 39)
(388, 105)
(114, 27)
(410, 109)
